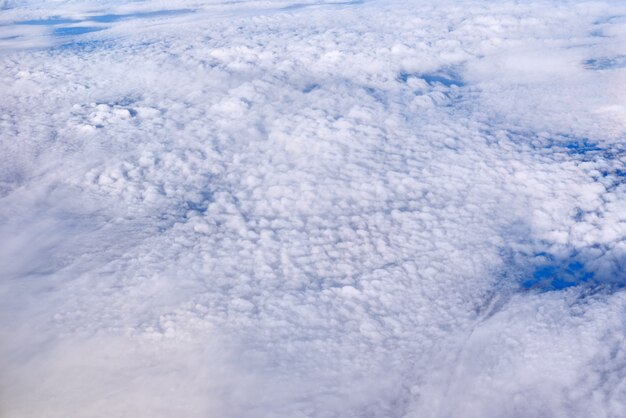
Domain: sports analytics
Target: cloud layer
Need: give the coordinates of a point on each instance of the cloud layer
(277, 209)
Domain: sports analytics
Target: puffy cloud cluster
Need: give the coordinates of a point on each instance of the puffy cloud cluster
(312, 209)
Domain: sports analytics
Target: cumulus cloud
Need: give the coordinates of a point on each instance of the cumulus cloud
(312, 209)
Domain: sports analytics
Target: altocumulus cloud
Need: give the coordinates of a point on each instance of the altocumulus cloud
(312, 209)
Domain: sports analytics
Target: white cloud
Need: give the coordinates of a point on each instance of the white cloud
(347, 209)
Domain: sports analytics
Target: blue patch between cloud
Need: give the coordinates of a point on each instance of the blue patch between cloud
(558, 275)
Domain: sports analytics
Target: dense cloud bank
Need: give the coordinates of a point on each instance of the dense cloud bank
(333, 209)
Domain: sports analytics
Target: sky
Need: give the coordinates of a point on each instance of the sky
(279, 208)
